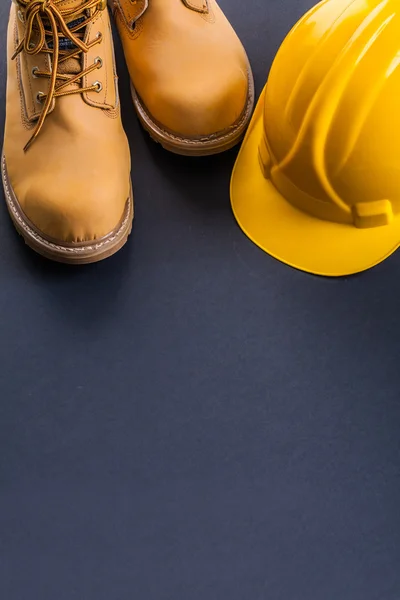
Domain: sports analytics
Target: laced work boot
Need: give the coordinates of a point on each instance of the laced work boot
(192, 84)
(66, 161)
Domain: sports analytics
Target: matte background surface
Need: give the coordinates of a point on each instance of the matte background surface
(192, 420)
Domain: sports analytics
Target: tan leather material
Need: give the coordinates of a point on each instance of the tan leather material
(73, 182)
(70, 3)
(198, 5)
(106, 73)
(189, 69)
(130, 10)
(31, 86)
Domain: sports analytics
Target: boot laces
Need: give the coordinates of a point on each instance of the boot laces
(45, 24)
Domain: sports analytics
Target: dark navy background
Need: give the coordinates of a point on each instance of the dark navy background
(192, 420)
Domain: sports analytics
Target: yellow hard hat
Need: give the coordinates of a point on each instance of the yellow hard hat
(317, 181)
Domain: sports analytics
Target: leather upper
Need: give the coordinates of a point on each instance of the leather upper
(73, 182)
(186, 63)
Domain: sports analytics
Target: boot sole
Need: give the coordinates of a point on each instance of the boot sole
(202, 146)
(70, 253)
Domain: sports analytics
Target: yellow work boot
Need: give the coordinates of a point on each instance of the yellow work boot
(66, 161)
(192, 84)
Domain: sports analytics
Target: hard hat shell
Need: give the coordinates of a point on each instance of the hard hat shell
(317, 181)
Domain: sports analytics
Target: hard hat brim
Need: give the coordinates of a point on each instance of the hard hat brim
(293, 236)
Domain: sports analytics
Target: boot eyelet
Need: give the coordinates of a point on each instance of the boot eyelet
(34, 71)
(39, 97)
(99, 36)
(99, 62)
(98, 86)
(21, 16)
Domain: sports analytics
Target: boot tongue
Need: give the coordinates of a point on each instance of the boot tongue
(72, 66)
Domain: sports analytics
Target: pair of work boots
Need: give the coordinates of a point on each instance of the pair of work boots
(66, 162)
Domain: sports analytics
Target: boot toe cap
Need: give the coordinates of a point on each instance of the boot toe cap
(76, 214)
(207, 105)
